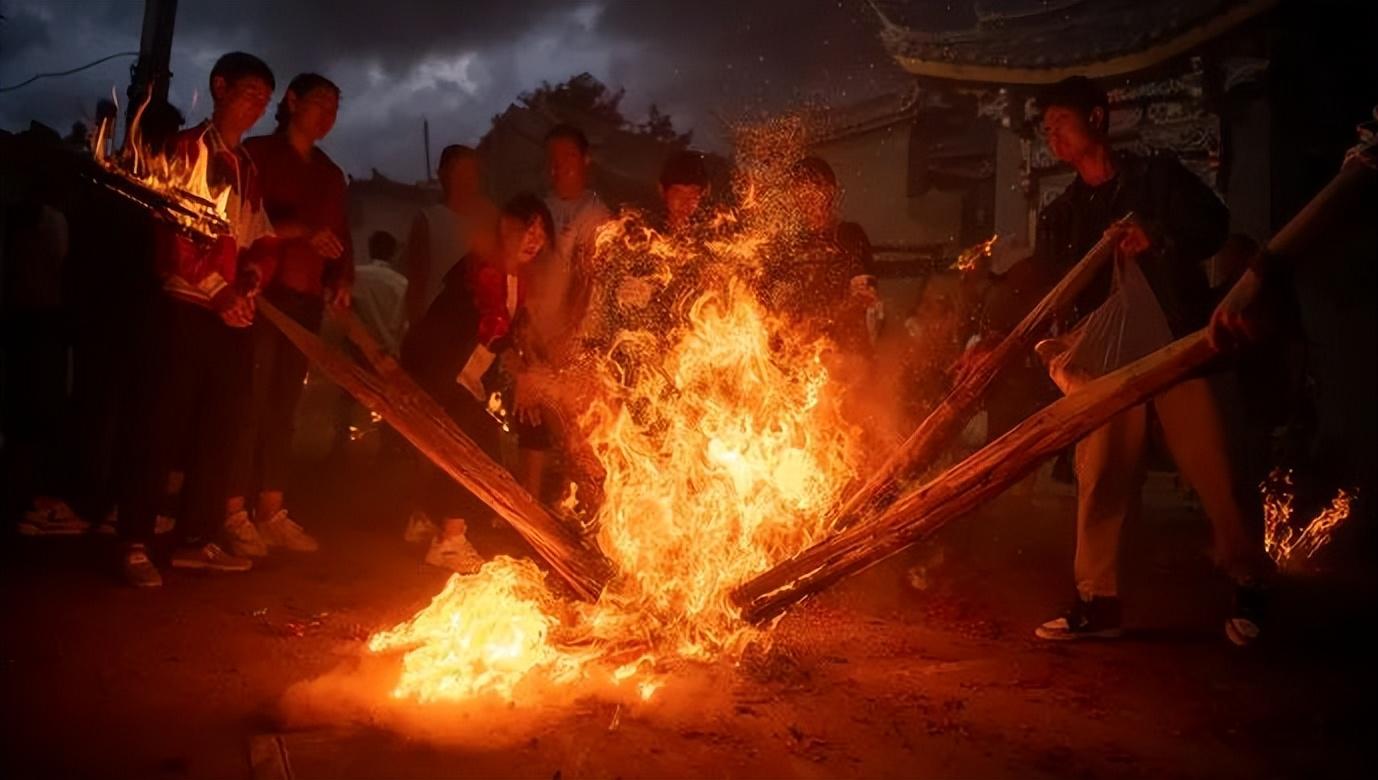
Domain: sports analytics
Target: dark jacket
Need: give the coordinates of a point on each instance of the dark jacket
(1184, 219)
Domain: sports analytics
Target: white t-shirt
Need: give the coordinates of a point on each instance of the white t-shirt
(551, 277)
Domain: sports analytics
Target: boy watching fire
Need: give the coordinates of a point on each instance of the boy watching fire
(197, 341)
(559, 284)
(305, 196)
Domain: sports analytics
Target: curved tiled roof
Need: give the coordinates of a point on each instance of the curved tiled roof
(1037, 41)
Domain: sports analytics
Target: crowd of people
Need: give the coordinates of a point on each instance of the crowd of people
(186, 396)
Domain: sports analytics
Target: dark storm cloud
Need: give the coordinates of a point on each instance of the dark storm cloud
(458, 63)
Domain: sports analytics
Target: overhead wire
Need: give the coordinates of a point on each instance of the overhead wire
(56, 74)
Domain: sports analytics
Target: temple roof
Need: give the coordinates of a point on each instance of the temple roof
(1041, 41)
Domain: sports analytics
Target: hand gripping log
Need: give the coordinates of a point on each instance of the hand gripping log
(392, 394)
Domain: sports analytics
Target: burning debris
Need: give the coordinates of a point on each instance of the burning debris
(720, 441)
(1291, 543)
(970, 259)
(173, 187)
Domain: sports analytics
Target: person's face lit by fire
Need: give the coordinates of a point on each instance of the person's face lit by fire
(567, 166)
(520, 241)
(462, 178)
(313, 114)
(240, 104)
(681, 202)
(1072, 134)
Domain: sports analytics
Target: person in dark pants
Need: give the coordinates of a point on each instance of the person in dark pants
(306, 198)
(197, 347)
(455, 345)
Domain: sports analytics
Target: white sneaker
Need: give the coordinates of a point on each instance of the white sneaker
(51, 517)
(282, 531)
(244, 538)
(138, 570)
(454, 552)
(209, 557)
(420, 528)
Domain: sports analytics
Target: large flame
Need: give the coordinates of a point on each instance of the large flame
(721, 442)
(180, 178)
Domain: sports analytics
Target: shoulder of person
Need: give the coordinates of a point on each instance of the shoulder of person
(184, 141)
(260, 143)
(324, 160)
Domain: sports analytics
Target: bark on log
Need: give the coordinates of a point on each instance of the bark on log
(971, 483)
(417, 417)
(947, 420)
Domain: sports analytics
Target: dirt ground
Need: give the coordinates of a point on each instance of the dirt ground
(924, 667)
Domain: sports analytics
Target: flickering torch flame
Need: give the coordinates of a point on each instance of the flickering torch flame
(171, 186)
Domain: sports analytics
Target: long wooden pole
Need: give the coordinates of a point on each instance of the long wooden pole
(947, 419)
(418, 418)
(971, 483)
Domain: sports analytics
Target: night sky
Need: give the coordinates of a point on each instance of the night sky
(459, 63)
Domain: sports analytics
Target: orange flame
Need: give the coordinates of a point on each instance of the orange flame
(720, 435)
(182, 180)
(972, 255)
(1286, 542)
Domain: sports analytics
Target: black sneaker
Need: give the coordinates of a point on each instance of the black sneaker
(1245, 623)
(1098, 618)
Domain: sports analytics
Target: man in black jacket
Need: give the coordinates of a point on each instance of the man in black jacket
(1155, 290)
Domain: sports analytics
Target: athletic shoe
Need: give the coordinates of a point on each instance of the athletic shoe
(1098, 618)
(244, 537)
(282, 531)
(209, 557)
(52, 517)
(139, 571)
(1245, 623)
(420, 528)
(110, 524)
(454, 552)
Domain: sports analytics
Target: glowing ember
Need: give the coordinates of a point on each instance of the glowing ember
(718, 431)
(1287, 542)
(969, 258)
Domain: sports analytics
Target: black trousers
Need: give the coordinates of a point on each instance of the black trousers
(441, 496)
(195, 377)
(264, 451)
(34, 406)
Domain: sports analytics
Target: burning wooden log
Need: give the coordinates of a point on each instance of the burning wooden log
(947, 420)
(971, 483)
(411, 412)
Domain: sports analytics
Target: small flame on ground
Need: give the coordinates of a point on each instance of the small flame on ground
(1287, 542)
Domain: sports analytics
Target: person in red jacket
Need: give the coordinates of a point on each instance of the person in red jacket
(197, 342)
(305, 196)
(451, 352)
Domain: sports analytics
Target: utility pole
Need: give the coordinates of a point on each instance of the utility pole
(150, 75)
(426, 141)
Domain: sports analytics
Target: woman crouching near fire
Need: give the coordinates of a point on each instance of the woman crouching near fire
(453, 351)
